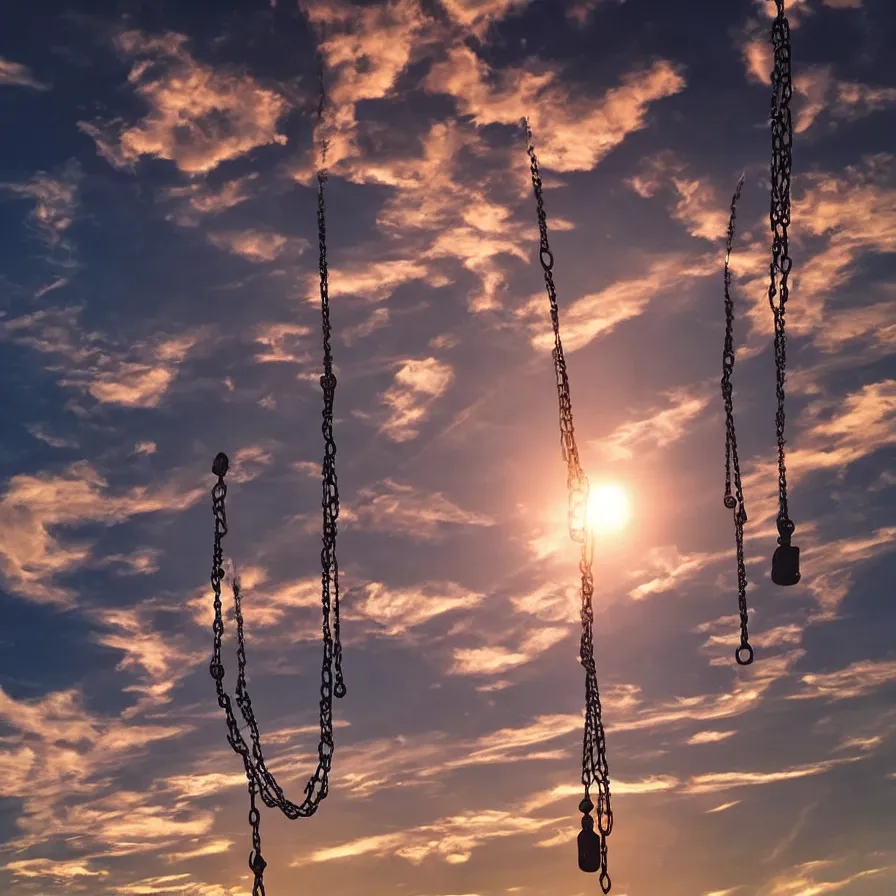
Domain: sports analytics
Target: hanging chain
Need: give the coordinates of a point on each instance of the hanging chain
(734, 502)
(595, 771)
(779, 216)
(260, 780)
(330, 496)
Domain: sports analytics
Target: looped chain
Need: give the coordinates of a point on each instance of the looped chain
(595, 771)
(734, 502)
(261, 782)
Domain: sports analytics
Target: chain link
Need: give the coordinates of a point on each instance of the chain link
(779, 216)
(261, 782)
(734, 502)
(595, 771)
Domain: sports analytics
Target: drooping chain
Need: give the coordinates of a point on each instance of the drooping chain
(595, 771)
(785, 567)
(260, 780)
(734, 502)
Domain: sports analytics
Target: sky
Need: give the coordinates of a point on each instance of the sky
(159, 303)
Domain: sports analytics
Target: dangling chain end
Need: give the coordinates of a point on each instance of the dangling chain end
(220, 465)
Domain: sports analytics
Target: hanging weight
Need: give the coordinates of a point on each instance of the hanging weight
(589, 847)
(786, 559)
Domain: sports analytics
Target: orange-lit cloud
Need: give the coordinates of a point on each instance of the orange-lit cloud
(34, 507)
(198, 116)
(400, 508)
(15, 74)
(417, 386)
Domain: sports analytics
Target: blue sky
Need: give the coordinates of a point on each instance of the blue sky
(159, 304)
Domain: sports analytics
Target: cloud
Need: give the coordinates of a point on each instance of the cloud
(697, 203)
(461, 212)
(709, 737)
(717, 781)
(598, 314)
(14, 74)
(69, 755)
(479, 15)
(582, 11)
(670, 569)
(281, 343)
(415, 761)
(34, 507)
(390, 506)
(805, 880)
(373, 280)
(626, 710)
(660, 428)
(396, 610)
(495, 659)
(53, 441)
(648, 785)
(856, 680)
(839, 219)
(376, 320)
(195, 200)
(817, 91)
(573, 132)
(453, 839)
(838, 432)
(821, 92)
(418, 384)
(55, 202)
(55, 870)
(137, 377)
(256, 245)
(198, 116)
(157, 659)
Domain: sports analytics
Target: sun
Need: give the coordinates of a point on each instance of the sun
(608, 508)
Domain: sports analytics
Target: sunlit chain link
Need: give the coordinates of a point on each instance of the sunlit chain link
(734, 502)
(779, 269)
(577, 482)
(595, 771)
(260, 779)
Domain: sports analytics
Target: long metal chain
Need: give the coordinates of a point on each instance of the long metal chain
(260, 780)
(595, 771)
(779, 217)
(734, 502)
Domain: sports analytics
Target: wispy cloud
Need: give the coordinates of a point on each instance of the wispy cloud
(15, 74)
(55, 199)
(416, 387)
(34, 507)
(90, 362)
(403, 509)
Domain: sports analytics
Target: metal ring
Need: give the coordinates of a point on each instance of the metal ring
(549, 264)
(744, 655)
(339, 690)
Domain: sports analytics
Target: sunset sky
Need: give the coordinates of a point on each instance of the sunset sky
(159, 303)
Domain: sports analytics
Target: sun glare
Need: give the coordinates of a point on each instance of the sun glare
(608, 508)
